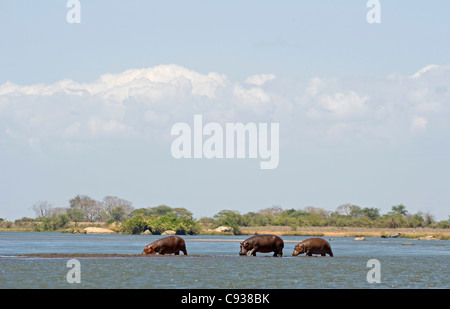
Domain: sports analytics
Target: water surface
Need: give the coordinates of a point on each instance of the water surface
(216, 264)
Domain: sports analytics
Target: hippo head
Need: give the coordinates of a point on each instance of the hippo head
(299, 249)
(149, 250)
(245, 246)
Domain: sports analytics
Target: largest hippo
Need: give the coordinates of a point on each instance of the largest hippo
(169, 245)
(313, 246)
(262, 243)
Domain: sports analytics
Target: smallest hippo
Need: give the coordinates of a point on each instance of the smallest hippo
(313, 246)
(169, 245)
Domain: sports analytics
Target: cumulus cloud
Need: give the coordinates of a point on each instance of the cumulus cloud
(259, 79)
(254, 98)
(173, 79)
(424, 70)
(316, 84)
(114, 105)
(339, 105)
(145, 103)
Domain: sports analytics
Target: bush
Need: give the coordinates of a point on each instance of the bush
(135, 225)
(51, 224)
(157, 225)
(444, 224)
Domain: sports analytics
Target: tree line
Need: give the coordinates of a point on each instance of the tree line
(346, 215)
(112, 209)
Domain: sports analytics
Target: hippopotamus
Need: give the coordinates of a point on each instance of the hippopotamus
(313, 246)
(262, 243)
(169, 245)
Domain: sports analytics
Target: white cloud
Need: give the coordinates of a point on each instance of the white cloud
(418, 124)
(259, 79)
(315, 85)
(144, 103)
(115, 105)
(254, 97)
(339, 105)
(148, 81)
(120, 85)
(424, 70)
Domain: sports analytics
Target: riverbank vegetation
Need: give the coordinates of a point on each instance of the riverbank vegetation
(122, 217)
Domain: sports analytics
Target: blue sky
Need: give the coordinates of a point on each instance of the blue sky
(237, 38)
(363, 108)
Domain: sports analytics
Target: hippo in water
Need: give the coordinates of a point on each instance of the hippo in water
(170, 244)
(262, 243)
(313, 246)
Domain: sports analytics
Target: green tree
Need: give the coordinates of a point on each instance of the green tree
(161, 210)
(140, 212)
(63, 220)
(135, 225)
(444, 224)
(117, 213)
(400, 209)
(229, 218)
(371, 213)
(182, 212)
(75, 215)
(429, 219)
(53, 223)
(415, 220)
(356, 211)
(159, 224)
(394, 220)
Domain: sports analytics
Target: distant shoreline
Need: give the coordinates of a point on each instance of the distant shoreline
(327, 231)
(330, 231)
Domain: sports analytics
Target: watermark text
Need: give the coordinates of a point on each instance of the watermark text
(73, 16)
(374, 275)
(236, 140)
(74, 275)
(374, 14)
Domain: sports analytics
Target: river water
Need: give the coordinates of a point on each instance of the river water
(213, 263)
